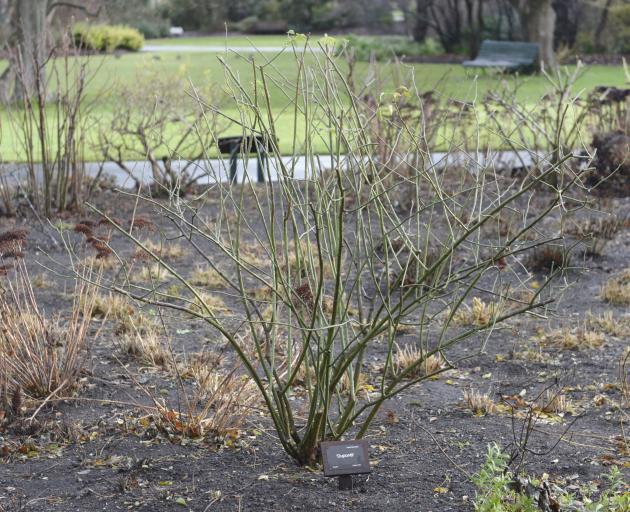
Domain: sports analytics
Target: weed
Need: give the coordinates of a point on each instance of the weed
(100, 261)
(110, 306)
(217, 407)
(498, 489)
(597, 232)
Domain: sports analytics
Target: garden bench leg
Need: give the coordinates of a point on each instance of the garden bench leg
(233, 163)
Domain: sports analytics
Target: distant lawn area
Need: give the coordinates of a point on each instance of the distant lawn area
(230, 41)
(452, 81)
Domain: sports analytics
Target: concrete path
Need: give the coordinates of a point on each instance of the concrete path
(220, 49)
(299, 167)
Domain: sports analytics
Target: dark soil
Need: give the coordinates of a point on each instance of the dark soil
(88, 453)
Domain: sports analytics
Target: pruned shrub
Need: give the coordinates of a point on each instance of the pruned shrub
(334, 266)
(392, 47)
(107, 38)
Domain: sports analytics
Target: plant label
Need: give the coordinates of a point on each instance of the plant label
(345, 457)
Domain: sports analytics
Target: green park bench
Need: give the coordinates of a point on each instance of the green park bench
(506, 56)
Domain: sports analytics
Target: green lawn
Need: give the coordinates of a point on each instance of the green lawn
(130, 71)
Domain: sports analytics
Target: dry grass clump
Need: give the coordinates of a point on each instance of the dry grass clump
(212, 302)
(531, 355)
(100, 263)
(553, 402)
(410, 268)
(580, 338)
(12, 243)
(164, 250)
(111, 306)
(597, 232)
(253, 254)
(119, 309)
(147, 348)
(617, 289)
(218, 405)
(618, 326)
(38, 355)
(299, 257)
(411, 356)
(600, 227)
(293, 260)
(479, 403)
(41, 281)
(478, 313)
(261, 293)
(207, 277)
(547, 259)
(153, 273)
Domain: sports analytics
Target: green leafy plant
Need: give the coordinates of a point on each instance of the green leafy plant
(493, 486)
(498, 489)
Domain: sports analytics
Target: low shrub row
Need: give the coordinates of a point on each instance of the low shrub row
(387, 47)
(107, 38)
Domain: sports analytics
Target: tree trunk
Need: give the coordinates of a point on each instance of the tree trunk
(539, 21)
(29, 46)
(421, 27)
(601, 25)
(474, 18)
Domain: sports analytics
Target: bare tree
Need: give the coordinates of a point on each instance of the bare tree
(449, 19)
(28, 41)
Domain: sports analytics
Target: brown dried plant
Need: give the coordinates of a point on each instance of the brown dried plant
(12, 243)
(479, 313)
(617, 289)
(42, 355)
(146, 347)
(217, 405)
(580, 338)
(415, 361)
(479, 403)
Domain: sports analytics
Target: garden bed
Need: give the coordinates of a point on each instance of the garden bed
(101, 450)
